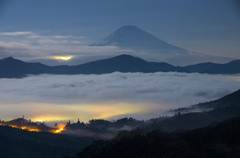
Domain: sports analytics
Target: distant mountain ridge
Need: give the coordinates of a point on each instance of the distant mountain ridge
(231, 67)
(13, 68)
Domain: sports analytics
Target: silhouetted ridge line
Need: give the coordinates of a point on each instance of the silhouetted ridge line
(13, 68)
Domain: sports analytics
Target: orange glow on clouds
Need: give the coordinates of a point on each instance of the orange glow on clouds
(49, 118)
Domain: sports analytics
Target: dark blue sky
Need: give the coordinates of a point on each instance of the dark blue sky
(208, 26)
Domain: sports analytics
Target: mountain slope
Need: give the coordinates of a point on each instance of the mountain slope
(195, 120)
(132, 37)
(231, 100)
(221, 109)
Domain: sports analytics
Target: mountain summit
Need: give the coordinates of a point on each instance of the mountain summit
(132, 37)
(150, 47)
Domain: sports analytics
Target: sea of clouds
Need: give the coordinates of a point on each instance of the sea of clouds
(173, 89)
(170, 90)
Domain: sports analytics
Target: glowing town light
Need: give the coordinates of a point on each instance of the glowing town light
(60, 129)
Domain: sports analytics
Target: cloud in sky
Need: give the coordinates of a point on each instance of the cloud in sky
(30, 45)
(15, 33)
(102, 96)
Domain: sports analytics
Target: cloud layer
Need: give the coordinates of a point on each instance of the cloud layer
(118, 93)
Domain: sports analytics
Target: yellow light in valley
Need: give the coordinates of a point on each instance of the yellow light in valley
(53, 112)
(63, 57)
(50, 118)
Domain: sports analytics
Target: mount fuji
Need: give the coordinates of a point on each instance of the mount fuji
(132, 37)
(150, 47)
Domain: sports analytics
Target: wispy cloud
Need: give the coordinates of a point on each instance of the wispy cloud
(32, 45)
(16, 45)
(15, 33)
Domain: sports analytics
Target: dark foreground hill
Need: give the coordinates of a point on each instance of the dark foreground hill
(218, 140)
(16, 143)
(13, 68)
